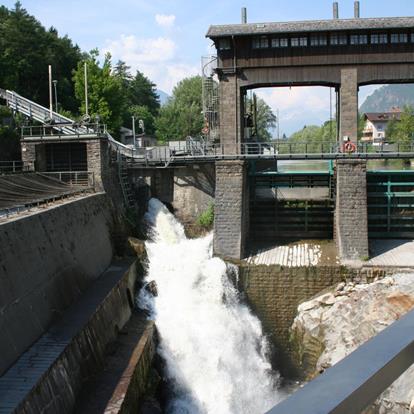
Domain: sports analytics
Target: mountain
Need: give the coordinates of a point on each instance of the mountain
(384, 98)
(163, 96)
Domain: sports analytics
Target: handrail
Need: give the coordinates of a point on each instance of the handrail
(355, 382)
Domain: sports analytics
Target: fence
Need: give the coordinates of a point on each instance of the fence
(11, 167)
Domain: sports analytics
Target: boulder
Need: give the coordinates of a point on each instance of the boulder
(332, 325)
(138, 246)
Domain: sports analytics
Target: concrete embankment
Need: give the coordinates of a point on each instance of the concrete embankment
(46, 260)
(50, 376)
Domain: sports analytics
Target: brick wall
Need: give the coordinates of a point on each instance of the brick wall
(274, 293)
(231, 209)
(351, 220)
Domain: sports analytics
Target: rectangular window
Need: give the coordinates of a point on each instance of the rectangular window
(338, 39)
(279, 42)
(358, 39)
(399, 38)
(412, 37)
(294, 41)
(379, 38)
(319, 40)
(299, 41)
(261, 42)
(224, 44)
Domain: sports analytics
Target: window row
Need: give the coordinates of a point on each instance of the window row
(263, 42)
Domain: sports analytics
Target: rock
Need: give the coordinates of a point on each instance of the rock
(322, 335)
(150, 406)
(138, 246)
(152, 288)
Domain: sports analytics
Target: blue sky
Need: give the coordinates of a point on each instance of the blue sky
(165, 39)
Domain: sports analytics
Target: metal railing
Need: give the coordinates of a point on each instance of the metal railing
(11, 167)
(77, 130)
(354, 383)
(73, 178)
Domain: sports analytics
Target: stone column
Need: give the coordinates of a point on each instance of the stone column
(28, 155)
(349, 104)
(351, 218)
(230, 114)
(231, 209)
(96, 159)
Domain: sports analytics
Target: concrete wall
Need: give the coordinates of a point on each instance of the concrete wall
(58, 388)
(46, 260)
(274, 293)
(351, 219)
(194, 189)
(349, 104)
(231, 210)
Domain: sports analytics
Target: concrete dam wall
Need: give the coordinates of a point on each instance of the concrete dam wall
(46, 260)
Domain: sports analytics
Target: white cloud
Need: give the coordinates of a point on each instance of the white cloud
(165, 20)
(155, 57)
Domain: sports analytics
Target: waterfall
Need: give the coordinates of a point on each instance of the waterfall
(213, 346)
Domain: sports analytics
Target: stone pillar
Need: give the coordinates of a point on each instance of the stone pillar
(230, 114)
(28, 155)
(349, 104)
(97, 160)
(351, 218)
(231, 209)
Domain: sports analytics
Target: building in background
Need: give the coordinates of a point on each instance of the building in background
(376, 125)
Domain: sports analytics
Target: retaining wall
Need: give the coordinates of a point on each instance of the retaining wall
(46, 260)
(274, 293)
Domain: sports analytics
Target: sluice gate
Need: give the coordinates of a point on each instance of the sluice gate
(291, 205)
(390, 204)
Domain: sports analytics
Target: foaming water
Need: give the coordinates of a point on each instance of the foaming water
(214, 348)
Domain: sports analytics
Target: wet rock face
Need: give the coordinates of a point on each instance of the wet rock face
(138, 246)
(332, 325)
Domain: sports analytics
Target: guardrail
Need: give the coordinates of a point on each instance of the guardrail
(354, 383)
(77, 130)
(73, 178)
(11, 167)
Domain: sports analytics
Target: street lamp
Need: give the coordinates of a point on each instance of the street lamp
(54, 85)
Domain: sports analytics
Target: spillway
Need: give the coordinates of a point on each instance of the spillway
(215, 352)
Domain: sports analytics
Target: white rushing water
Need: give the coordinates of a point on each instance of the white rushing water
(214, 348)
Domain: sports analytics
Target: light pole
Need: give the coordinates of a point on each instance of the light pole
(50, 94)
(54, 85)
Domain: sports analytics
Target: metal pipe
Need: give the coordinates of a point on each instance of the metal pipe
(335, 10)
(356, 10)
(244, 15)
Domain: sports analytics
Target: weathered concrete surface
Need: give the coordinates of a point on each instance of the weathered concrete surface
(391, 253)
(125, 379)
(274, 292)
(194, 189)
(351, 218)
(46, 260)
(332, 325)
(49, 376)
(231, 210)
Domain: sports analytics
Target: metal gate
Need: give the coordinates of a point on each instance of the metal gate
(390, 204)
(291, 206)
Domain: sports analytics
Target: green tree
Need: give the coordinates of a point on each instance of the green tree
(142, 112)
(105, 93)
(26, 50)
(182, 115)
(264, 116)
(402, 131)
